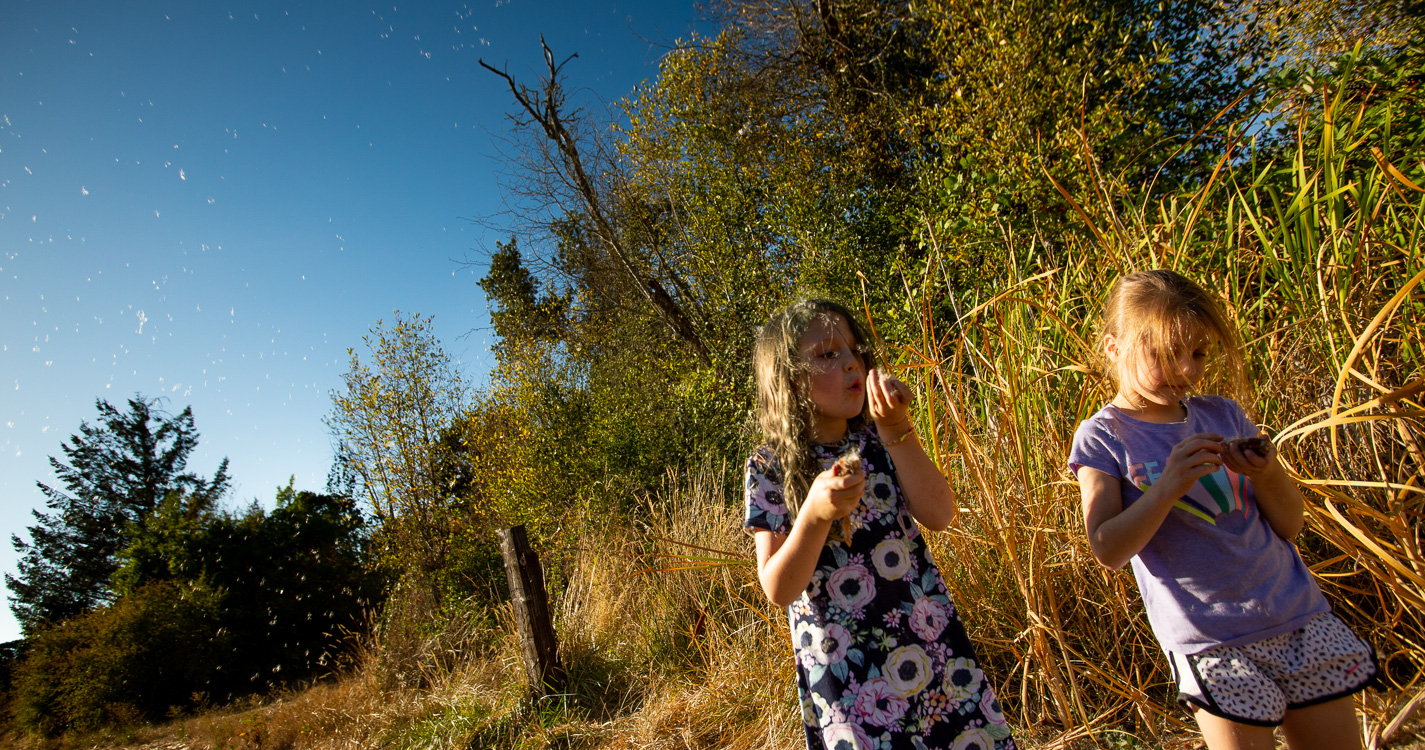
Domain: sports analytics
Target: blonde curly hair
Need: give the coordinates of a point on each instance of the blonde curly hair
(784, 406)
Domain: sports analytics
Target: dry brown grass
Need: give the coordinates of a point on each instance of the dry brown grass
(669, 643)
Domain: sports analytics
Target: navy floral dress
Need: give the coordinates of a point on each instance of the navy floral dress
(883, 662)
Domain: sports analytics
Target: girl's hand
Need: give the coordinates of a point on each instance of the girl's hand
(889, 400)
(1195, 457)
(1246, 461)
(833, 497)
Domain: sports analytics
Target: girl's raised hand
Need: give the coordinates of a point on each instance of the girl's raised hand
(889, 400)
(832, 497)
(1195, 457)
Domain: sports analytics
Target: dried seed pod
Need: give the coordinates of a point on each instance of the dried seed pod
(1260, 445)
(849, 462)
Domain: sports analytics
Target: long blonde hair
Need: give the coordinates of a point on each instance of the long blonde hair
(784, 406)
(1152, 312)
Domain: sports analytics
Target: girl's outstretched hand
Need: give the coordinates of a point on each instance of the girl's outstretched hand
(1247, 461)
(832, 497)
(889, 400)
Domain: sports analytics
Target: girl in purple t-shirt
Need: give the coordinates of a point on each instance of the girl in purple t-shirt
(1175, 485)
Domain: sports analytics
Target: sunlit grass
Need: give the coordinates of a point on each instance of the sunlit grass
(1323, 272)
(669, 642)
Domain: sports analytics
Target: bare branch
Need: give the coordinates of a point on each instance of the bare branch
(544, 107)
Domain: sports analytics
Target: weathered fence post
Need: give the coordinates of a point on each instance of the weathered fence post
(541, 657)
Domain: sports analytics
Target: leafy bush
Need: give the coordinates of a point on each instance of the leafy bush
(211, 607)
(290, 581)
(159, 648)
(294, 580)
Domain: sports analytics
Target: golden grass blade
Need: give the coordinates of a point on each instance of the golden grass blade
(1380, 553)
(1361, 483)
(1397, 723)
(1399, 394)
(1380, 318)
(1077, 208)
(1393, 172)
(641, 571)
(1009, 293)
(1404, 392)
(870, 319)
(1186, 233)
(689, 545)
(1343, 420)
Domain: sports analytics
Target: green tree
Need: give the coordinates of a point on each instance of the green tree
(290, 581)
(210, 606)
(119, 471)
(563, 171)
(517, 308)
(392, 417)
(1305, 33)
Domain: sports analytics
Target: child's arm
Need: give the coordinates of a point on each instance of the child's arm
(1278, 498)
(931, 501)
(786, 562)
(1116, 533)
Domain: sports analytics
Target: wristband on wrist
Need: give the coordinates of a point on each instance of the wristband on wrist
(909, 431)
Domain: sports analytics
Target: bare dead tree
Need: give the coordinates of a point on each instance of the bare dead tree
(544, 107)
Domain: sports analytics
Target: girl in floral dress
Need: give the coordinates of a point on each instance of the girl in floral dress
(882, 659)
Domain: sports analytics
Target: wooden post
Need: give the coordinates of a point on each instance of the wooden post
(541, 658)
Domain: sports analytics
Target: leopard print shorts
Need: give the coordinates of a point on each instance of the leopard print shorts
(1259, 682)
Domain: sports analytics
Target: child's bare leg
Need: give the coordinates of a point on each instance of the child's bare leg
(1225, 734)
(1327, 726)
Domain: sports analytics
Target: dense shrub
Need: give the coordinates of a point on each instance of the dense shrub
(211, 607)
(295, 581)
(154, 650)
(292, 581)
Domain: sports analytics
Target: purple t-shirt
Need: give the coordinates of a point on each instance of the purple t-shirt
(1214, 574)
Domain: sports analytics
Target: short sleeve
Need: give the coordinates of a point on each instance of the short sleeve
(1246, 426)
(1094, 447)
(762, 492)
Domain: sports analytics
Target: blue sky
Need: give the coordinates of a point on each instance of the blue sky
(212, 202)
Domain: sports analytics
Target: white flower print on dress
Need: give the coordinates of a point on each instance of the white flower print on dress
(809, 709)
(831, 647)
(805, 637)
(846, 737)
(891, 558)
(830, 713)
(962, 679)
(851, 587)
(880, 496)
(814, 588)
(909, 670)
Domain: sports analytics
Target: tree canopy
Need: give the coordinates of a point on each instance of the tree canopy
(116, 473)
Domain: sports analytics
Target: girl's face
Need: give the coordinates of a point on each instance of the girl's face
(1155, 382)
(837, 375)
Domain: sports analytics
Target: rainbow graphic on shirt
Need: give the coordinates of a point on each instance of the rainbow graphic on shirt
(1215, 494)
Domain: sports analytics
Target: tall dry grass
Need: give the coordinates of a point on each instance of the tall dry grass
(1320, 261)
(664, 632)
